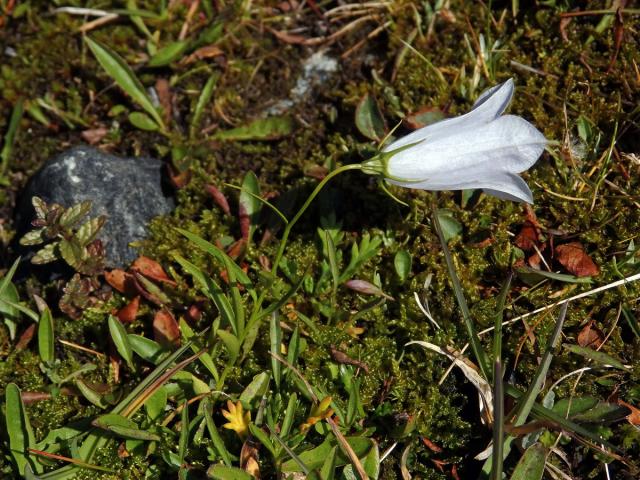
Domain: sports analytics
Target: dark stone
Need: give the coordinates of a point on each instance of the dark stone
(129, 191)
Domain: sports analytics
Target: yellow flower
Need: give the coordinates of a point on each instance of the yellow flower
(318, 413)
(238, 419)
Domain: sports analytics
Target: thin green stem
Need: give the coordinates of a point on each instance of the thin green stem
(255, 314)
(294, 220)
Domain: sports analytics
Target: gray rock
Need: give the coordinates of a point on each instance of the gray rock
(129, 191)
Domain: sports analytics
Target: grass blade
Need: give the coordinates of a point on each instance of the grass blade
(474, 340)
(526, 401)
(498, 389)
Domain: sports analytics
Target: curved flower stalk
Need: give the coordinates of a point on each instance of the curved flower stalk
(481, 149)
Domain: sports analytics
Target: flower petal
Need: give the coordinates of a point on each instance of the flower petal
(489, 106)
(511, 187)
(507, 144)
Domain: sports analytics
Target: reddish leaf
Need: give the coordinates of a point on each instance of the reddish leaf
(236, 248)
(431, 446)
(151, 269)
(120, 280)
(165, 328)
(208, 51)
(423, 117)
(573, 257)
(93, 136)
(529, 235)
(165, 97)
(178, 179)
(194, 312)
(26, 337)
(634, 416)
(128, 313)
(590, 336)
(245, 222)
(362, 286)
(219, 198)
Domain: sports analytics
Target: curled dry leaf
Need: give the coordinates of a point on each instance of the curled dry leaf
(208, 51)
(151, 269)
(219, 198)
(249, 459)
(529, 235)
(634, 417)
(120, 280)
(165, 328)
(573, 257)
(590, 336)
(128, 313)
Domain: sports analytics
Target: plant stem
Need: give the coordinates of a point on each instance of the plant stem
(294, 220)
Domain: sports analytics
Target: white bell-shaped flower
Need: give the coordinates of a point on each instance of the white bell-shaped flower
(481, 149)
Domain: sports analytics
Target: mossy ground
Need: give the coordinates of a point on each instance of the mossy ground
(585, 188)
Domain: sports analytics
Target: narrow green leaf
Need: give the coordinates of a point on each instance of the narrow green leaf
(142, 121)
(156, 404)
(123, 427)
(121, 340)
(249, 204)
(275, 339)
(90, 394)
(214, 434)
(263, 438)
(451, 227)
(46, 337)
(271, 128)
(183, 444)
(369, 119)
(327, 472)
(205, 358)
(231, 343)
(169, 53)
(532, 276)
(223, 259)
(221, 472)
(126, 79)
(402, 264)
(597, 357)
(255, 390)
(19, 430)
(147, 349)
(289, 415)
(531, 464)
(203, 101)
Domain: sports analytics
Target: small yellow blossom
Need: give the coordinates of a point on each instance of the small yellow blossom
(318, 413)
(238, 419)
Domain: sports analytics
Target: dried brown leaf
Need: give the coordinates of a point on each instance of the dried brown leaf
(128, 313)
(590, 336)
(151, 269)
(573, 257)
(165, 328)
